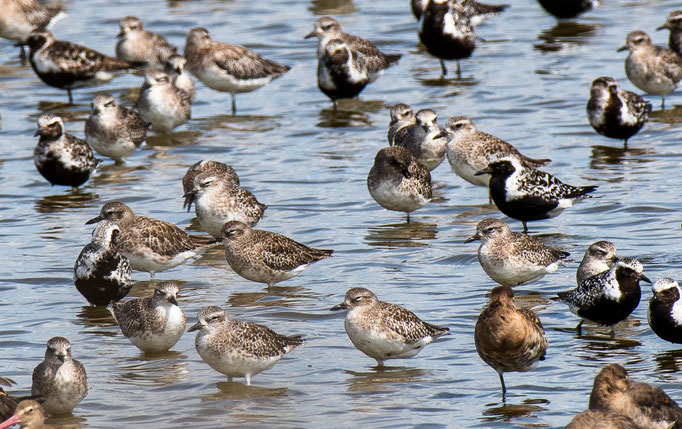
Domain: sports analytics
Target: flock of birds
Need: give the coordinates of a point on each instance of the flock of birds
(507, 337)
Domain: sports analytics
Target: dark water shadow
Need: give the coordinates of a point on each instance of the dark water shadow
(172, 139)
(669, 361)
(71, 199)
(331, 7)
(68, 112)
(67, 421)
(602, 157)
(99, 316)
(154, 369)
(506, 412)
(275, 296)
(408, 234)
(213, 257)
(350, 112)
(564, 34)
(113, 173)
(671, 115)
(235, 391)
(238, 122)
(380, 377)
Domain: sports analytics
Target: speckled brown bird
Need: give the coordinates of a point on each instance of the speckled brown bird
(673, 22)
(151, 245)
(236, 348)
(162, 103)
(59, 380)
(398, 182)
(602, 419)
(153, 324)
(29, 415)
(66, 65)
(228, 68)
(507, 338)
(20, 17)
(199, 167)
(219, 200)
(599, 257)
(401, 116)
(264, 256)
(648, 406)
(138, 45)
(382, 330)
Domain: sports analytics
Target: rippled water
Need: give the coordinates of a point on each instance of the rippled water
(528, 82)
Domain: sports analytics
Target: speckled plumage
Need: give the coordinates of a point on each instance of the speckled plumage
(61, 158)
(341, 72)
(100, 273)
(228, 68)
(507, 338)
(446, 31)
(138, 45)
(527, 194)
(219, 200)
(673, 23)
(511, 258)
(151, 245)
(236, 348)
(175, 68)
(424, 139)
(653, 69)
(20, 17)
(608, 297)
(665, 310)
(327, 29)
(163, 104)
(401, 116)
(648, 406)
(29, 415)
(153, 324)
(599, 257)
(567, 8)
(478, 12)
(66, 65)
(469, 150)
(205, 165)
(264, 256)
(382, 330)
(616, 113)
(112, 130)
(602, 419)
(59, 379)
(398, 182)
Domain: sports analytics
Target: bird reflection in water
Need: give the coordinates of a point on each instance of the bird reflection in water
(235, 391)
(506, 412)
(331, 7)
(602, 157)
(154, 369)
(350, 112)
(393, 236)
(274, 296)
(563, 35)
(669, 361)
(380, 377)
(99, 316)
(71, 199)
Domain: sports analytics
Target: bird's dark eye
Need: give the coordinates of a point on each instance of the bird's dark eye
(109, 103)
(206, 183)
(326, 27)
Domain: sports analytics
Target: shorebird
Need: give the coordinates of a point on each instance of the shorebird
(29, 415)
(138, 45)
(665, 310)
(162, 103)
(478, 11)
(20, 17)
(567, 8)
(673, 23)
(599, 257)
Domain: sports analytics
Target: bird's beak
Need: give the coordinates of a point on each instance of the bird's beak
(644, 278)
(94, 220)
(622, 48)
(483, 171)
(341, 306)
(39, 132)
(474, 237)
(442, 134)
(663, 26)
(195, 327)
(189, 197)
(14, 420)
(173, 300)
(120, 34)
(309, 35)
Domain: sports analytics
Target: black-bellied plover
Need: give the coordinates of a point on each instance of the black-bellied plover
(175, 69)
(66, 65)
(665, 310)
(59, 379)
(401, 116)
(199, 167)
(236, 348)
(527, 194)
(673, 23)
(153, 324)
(478, 11)
(614, 112)
(100, 273)
(61, 158)
(151, 245)
(653, 69)
(327, 29)
(567, 8)
(398, 182)
(599, 257)
(648, 406)
(509, 338)
(217, 200)
(341, 72)
(138, 45)
(601, 419)
(423, 139)
(163, 104)
(20, 17)
(382, 330)
(113, 130)
(264, 256)
(226, 67)
(469, 150)
(511, 258)
(446, 32)
(608, 297)
(29, 415)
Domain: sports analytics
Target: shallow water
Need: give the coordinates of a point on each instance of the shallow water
(528, 83)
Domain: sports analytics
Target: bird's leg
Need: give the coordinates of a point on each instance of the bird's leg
(70, 97)
(443, 69)
(408, 218)
(504, 388)
(662, 102)
(234, 105)
(579, 328)
(248, 379)
(525, 227)
(459, 71)
(334, 106)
